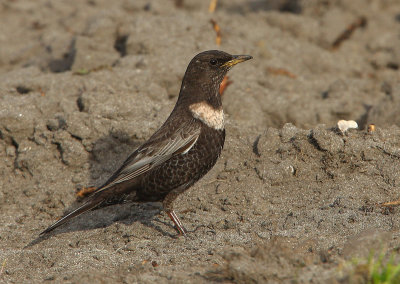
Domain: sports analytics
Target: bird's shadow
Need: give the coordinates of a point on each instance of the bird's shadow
(107, 155)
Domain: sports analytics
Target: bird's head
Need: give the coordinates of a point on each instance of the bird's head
(206, 71)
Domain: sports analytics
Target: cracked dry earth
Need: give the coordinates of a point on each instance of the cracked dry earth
(83, 83)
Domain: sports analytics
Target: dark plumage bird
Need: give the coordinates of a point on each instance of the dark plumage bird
(182, 151)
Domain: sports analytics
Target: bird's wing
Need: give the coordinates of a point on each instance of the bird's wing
(160, 148)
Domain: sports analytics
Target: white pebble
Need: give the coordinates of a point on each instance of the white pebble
(345, 125)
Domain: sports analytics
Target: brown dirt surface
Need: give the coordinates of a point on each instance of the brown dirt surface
(83, 83)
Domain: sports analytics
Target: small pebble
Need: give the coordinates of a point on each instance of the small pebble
(345, 125)
(371, 128)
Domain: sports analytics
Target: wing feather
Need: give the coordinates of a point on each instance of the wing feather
(155, 152)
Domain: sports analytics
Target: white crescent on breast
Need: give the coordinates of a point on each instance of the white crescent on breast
(212, 117)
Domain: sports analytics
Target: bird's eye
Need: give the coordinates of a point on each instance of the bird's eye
(213, 61)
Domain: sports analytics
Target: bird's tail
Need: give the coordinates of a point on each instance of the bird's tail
(88, 205)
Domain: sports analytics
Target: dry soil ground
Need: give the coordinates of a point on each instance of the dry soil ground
(82, 83)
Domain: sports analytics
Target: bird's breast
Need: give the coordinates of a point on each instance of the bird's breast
(210, 116)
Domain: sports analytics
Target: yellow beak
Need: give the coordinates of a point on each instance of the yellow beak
(236, 59)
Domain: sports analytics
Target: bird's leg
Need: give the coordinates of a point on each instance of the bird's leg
(177, 222)
(167, 204)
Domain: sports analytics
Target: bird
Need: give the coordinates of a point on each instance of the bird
(180, 152)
